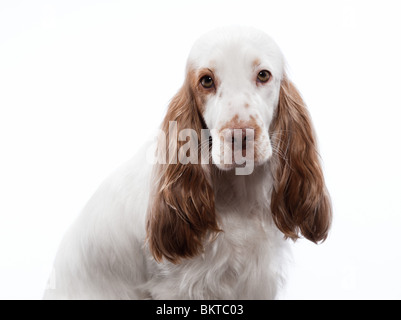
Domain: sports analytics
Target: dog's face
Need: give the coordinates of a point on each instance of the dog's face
(236, 76)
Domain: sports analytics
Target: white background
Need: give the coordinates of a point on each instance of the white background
(83, 83)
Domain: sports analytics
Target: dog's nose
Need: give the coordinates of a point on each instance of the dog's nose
(240, 136)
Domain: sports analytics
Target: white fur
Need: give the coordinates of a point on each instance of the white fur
(104, 255)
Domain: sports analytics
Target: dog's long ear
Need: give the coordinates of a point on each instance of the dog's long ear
(300, 202)
(181, 210)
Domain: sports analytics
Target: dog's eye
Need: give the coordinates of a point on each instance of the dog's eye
(264, 76)
(207, 82)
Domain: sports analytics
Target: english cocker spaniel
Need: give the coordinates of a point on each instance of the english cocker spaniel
(235, 174)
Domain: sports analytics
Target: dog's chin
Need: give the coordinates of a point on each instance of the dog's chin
(227, 167)
(248, 163)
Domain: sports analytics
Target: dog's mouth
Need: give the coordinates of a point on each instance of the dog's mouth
(238, 149)
(240, 152)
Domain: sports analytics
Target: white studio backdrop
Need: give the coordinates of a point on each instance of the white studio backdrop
(83, 84)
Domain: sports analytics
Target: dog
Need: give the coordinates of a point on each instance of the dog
(235, 174)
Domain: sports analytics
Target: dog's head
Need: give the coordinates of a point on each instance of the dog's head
(235, 76)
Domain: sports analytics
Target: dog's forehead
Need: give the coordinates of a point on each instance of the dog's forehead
(236, 45)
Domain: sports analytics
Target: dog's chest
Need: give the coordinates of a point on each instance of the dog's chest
(240, 264)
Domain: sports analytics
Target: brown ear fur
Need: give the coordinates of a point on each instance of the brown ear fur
(181, 209)
(300, 202)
